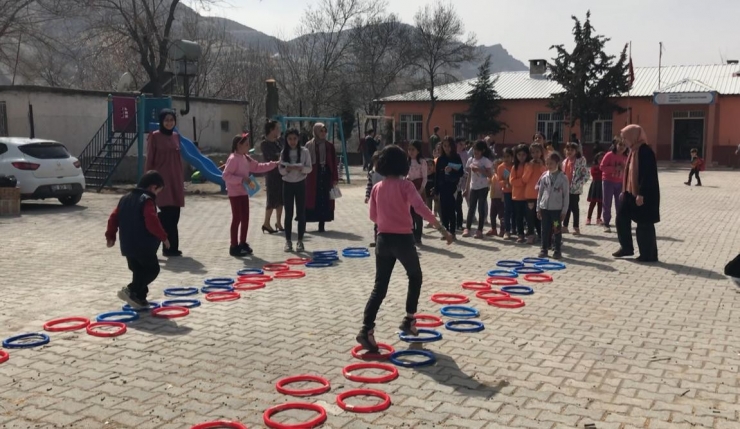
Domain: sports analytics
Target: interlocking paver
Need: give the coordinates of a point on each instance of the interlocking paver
(609, 342)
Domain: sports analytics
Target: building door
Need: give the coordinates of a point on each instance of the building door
(687, 134)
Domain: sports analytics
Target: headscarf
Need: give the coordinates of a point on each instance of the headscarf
(162, 115)
(636, 135)
(315, 141)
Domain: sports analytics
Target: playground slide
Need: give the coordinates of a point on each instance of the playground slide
(207, 168)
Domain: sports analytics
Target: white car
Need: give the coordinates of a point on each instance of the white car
(43, 168)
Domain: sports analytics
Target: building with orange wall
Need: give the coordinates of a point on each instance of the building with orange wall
(680, 108)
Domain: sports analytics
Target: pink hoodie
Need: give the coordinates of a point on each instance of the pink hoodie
(613, 167)
(239, 167)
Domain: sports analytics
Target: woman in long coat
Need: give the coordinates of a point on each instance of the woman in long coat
(271, 149)
(323, 177)
(640, 197)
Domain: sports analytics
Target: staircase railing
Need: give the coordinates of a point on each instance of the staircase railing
(96, 144)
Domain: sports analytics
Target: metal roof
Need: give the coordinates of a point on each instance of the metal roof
(722, 78)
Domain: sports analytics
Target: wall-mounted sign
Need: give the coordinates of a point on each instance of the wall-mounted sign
(684, 98)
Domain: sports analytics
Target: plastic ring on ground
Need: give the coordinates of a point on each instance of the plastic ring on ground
(53, 325)
(347, 372)
(318, 421)
(450, 298)
(256, 277)
(325, 259)
(538, 278)
(501, 302)
(476, 286)
(528, 270)
(518, 290)
(356, 255)
(187, 303)
(4, 356)
(248, 271)
(550, 266)
(502, 281)
(325, 252)
(356, 249)
(325, 386)
(290, 274)
(244, 285)
(433, 336)
(476, 326)
(318, 264)
(459, 312)
(210, 289)
(275, 267)
(11, 343)
(222, 296)
(365, 408)
(297, 261)
(181, 291)
(225, 424)
(170, 312)
(373, 356)
(435, 321)
(509, 264)
(534, 260)
(394, 359)
(104, 334)
(493, 292)
(123, 316)
(503, 273)
(152, 306)
(219, 281)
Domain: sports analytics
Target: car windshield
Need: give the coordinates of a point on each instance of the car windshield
(45, 150)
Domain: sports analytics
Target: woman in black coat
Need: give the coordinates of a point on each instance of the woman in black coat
(640, 198)
(448, 172)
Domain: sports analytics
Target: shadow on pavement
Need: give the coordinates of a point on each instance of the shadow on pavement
(336, 235)
(183, 264)
(685, 270)
(39, 208)
(159, 326)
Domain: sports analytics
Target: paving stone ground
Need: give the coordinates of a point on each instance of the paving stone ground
(614, 343)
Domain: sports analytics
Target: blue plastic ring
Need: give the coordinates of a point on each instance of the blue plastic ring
(518, 290)
(529, 270)
(431, 359)
(503, 273)
(459, 311)
(509, 264)
(247, 271)
(354, 255)
(325, 253)
(475, 326)
(152, 306)
(318, 264)
(10, 342)
(433, 336)
(125, 316)
(219, 281)
(187, 303)
(181, 291)
(217, 288)
(356, 250)
(550, 266)
(325, 258)
(534, 260)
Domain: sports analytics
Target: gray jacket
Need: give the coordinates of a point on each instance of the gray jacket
(553, 192)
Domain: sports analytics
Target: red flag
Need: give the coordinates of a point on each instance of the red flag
(632, 73)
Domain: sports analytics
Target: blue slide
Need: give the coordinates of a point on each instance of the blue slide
(208, 169)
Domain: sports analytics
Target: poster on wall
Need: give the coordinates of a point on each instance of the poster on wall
(684, 98)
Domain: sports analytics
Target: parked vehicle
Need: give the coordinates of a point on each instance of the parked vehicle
(44, 169)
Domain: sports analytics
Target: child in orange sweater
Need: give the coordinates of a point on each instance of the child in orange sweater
(503, 173)
(518, 187)
(533, 170)
(497, 202)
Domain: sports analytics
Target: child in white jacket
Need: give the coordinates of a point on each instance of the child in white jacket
(553, 194)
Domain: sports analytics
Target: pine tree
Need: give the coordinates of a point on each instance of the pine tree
(590, 77)
(484, 104)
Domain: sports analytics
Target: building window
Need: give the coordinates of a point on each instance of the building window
(3, 120)
(410, 127)
(551, 124)
(600, 131)
(460, 128)
(686, 114)
(225, 126)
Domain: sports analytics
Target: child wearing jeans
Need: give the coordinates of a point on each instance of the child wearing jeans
(576, 170)
(497, 202)
(697, 165)
(141, 233)
(553, 194)
(391, 201)
(372, 179)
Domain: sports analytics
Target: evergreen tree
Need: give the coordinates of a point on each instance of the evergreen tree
(484, 104)
(590, 77)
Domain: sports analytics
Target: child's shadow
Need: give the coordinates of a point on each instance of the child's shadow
(184, 264)
(159, 326)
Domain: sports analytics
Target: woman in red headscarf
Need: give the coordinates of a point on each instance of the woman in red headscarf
(640, 197)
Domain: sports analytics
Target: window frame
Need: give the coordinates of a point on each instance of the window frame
(408, 120)
(558, 124)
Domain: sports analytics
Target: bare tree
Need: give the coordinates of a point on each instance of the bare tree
(214, 42)
(438, 36)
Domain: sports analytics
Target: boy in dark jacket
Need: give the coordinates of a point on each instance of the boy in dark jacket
(141, 233)
(697, 165)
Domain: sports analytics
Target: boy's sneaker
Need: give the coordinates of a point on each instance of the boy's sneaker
(588, 221)
(288, 246)
(237, 251)
(478, 234)
(698, 184)
(367, 341)
(246, 248)
(557, 255)
(408, 326)
(125, 295)
(491, 233)
(300, 247)
(542, 254)
(687, 183)
(373, 244)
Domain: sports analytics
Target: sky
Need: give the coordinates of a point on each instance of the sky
(692, 32)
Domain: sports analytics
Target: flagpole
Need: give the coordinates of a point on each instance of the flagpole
(629, 91)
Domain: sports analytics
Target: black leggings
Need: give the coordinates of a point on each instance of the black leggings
(520, 213)
(294, 193)
(478, 199)
(169, 217)
(573, 208)
(533, 224)
(447, 207)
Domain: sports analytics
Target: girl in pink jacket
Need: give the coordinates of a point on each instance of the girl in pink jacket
(612, 169)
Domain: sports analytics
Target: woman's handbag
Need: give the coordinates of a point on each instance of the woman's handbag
(335, 193)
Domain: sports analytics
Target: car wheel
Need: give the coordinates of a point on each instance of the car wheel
(70, 200)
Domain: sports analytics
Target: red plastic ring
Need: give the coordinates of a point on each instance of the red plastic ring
(243, 285)
(297, 261)
(255, 277)
(170, 312)
(290, 274)
(120, 325)
(502, 281)
(275, 267)
(367, 408)
(51, 325)
(222, 296)
(220, 424)
(500, 302)
(4, 356)
(538, 278)
(373, 356)
(476, 286)
(318, 421)
(347, 372)
(450, 298)
(494, 293)
(280, 385)
(435, 321)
